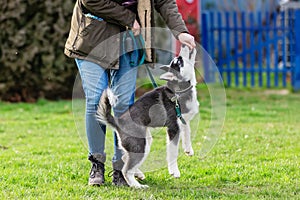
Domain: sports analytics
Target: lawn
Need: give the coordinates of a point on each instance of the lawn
(256, 156)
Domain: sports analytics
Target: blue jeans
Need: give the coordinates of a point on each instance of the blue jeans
(95, 79)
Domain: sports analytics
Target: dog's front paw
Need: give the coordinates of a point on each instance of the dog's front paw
(189, 151)
(174, 172)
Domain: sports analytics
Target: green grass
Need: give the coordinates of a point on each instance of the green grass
(256, 157)
(281, 78)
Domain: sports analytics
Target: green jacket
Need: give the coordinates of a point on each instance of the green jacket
(99, 41)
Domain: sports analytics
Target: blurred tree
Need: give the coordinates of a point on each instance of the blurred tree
(32, 37)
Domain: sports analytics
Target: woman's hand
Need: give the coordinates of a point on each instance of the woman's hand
(187, 39)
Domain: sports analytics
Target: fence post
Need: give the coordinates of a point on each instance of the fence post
(205, 43)
(296, 85)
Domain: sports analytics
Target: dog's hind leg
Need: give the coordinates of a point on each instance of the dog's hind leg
(185, 132)
(139, 174)
(136, 152)
(132, 162)
(172, 151)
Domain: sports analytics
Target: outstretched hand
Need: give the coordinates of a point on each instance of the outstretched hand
(187, 39)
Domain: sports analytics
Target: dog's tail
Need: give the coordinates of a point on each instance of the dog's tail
(103, 114)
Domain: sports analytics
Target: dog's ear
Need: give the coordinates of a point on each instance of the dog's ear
(168, 76)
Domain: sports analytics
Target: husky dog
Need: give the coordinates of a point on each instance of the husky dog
(171, 106)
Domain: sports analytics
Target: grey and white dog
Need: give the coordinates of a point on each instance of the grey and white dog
(171, 106)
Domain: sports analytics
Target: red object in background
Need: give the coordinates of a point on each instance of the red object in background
(190, 11)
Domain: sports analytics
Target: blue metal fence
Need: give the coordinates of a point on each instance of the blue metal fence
(253, 48)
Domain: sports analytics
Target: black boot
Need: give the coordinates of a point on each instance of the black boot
(118, 178)
(97, 172)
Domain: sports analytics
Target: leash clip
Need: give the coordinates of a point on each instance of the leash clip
(178, 110)
(175, 98)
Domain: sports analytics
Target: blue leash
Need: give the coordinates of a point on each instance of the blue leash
(154, 84)
(133, 56)
(134, 53)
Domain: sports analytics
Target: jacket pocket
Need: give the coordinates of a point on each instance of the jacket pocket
(98, 40)
(91, 33)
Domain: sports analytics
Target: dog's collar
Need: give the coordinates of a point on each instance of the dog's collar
(179, 87)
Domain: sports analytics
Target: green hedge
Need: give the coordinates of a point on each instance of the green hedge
(32, 65)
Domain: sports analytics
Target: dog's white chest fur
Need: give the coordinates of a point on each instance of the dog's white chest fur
(192, 105)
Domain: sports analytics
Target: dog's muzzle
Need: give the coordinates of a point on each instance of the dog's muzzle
(174, 66)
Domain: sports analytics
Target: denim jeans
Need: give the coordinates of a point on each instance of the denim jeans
(95, 79)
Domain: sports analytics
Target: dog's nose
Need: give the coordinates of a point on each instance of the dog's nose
(179, 61)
